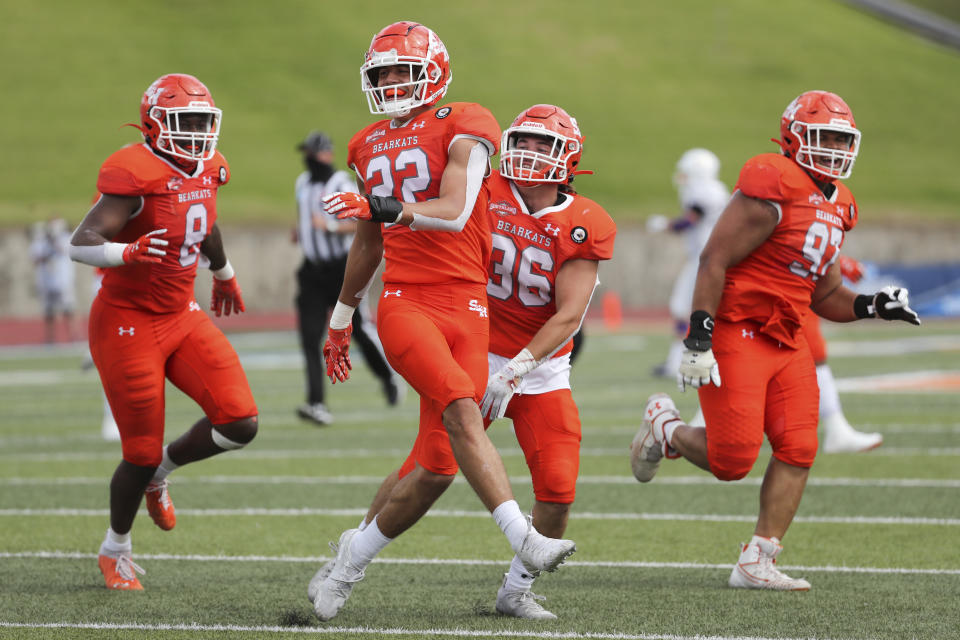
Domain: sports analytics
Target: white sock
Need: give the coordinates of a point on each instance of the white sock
(363, 523)
(367, 544)
(512, 522)
(829, 398)
(115, 543)
(667, 424)
(518, 579)
(166, 467)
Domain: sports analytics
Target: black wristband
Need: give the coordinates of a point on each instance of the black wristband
(385, 208)
(700, 336)
(863, 307)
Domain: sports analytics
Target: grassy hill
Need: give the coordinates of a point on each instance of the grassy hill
(646, 80)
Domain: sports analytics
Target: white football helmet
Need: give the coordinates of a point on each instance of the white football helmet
(696, 164)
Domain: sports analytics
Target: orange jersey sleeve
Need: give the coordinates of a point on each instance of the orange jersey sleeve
(773, 285)
(528, 252)
(184, 205)
(408, 163)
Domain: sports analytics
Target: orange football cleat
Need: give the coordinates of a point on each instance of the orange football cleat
(120, 572)
(159, 505)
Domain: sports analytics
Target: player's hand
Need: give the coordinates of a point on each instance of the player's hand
(226, 297)
(336, 353)
(146, 249)
(851, 269)
(354, 205)
(697, 368)
(893, 303)
(500, 388)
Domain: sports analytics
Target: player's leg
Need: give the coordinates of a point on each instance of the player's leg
(130, 363)
(312, 309)
(791, 427)
(547, 426)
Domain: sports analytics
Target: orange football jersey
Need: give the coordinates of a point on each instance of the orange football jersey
(773, 285)
(407, 163)
(528, 251)
(183, 205)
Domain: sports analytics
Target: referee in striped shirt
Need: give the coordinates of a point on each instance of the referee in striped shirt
(325, 241)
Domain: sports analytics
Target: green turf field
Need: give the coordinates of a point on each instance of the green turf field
(876, 533)
(647, 80)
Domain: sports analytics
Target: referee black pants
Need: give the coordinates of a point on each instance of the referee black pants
(318, 289)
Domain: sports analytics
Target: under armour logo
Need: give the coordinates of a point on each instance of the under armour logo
(418, 125)
(207, 180)
(387, 293)
(479, 308)
(125, 332)
(747, 334)
(655, 406)
(193, 306)
(552, 230)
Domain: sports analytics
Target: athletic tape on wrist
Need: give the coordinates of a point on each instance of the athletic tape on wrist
(342, 316)
(225, 272)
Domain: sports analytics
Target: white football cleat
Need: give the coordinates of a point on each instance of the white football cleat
(319, 577)
(648, 447)
(521, 604)
(756, 568)
(540, 553)
(316, 413)
(332, 593)
(840, 437)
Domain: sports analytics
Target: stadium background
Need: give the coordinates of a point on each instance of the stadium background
(646, 81)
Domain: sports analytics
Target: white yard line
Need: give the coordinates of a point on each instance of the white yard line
(456, 513)
(900, 483)
(620, 564)
(395, 631)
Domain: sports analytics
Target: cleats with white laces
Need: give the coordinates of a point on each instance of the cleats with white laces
(319, 577)
(160, 506)
(840, 437)
(648, 446)
(756, 568)
(120, 571)
(540, 553)
(333, 591)
(521, 604)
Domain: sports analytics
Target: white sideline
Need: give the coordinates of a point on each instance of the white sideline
(903, 483)
(396, 631)
(457, 513)
(621, 564)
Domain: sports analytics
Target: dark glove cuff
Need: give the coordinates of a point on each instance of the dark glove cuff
(385, 208)
(863, 307)
(700, 336)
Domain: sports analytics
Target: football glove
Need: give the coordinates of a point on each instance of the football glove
(893, 303)
(336, 353)
(144, 250)
(502, 384)
(697, 368)
(354, 205)
(227, 297)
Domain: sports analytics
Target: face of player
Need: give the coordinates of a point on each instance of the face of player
(536, 144)
(838, 140)
(188, 123)
(397, 76)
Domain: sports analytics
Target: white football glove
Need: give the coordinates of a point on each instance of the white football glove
(697, 368)
(502, 384)
(893, 303)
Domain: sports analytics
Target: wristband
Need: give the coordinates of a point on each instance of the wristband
(863, 307)
(225, 272)
(342, 316)
(522, 363)
(700, 336)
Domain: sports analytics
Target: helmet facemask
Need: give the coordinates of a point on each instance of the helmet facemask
(177, 135)
(814, 155)
(528, 166)
(397, 100)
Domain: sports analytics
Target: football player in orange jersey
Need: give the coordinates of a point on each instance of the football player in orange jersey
(155, 218)
(422, 208)
(548, 242)
(771, 256)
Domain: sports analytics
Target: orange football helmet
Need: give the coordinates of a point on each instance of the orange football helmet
(527, 166)
(414, 45)
(802, 126)
(178, 117)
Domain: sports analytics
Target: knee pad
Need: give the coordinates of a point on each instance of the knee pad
(235, 435)
(798, 450)
(555, 482)
(730, 467)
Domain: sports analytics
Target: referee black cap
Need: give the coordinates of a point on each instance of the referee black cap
(316, 141)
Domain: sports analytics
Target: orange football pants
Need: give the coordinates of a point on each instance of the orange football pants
(547, 426)
(811, 329)
(766, 389)
(135, 350)
(436, 337)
